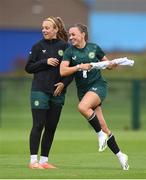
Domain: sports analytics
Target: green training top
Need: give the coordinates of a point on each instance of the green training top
(90, 53)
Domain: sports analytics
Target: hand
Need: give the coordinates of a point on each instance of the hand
(112, 65)
(59, 87)
(53, 62)
(86, 66)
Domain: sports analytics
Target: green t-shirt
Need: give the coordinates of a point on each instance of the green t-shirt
(90, 53)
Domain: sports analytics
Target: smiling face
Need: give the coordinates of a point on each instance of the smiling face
(49, 30)
(76, 37)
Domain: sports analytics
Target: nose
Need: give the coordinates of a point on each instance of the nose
(43, 30)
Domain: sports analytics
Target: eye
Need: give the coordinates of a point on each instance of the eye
(46, 28)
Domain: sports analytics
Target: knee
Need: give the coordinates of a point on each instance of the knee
(82, 109)
(38, 127)
(49, 128)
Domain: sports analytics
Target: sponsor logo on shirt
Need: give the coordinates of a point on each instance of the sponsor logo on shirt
(74, 58)
(94, 89)
(44, 50)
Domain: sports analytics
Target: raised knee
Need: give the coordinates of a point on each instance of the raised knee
(82, 109)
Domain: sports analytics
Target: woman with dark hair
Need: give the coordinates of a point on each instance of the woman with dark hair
(48, 89)
(91, 86)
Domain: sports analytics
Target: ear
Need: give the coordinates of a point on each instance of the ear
(83, 34)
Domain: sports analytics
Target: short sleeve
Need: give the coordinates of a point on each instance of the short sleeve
(99, 53)
(67, 55)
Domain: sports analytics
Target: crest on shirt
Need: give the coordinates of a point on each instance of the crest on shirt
(60, 52)
(36, 103)
(91, 55)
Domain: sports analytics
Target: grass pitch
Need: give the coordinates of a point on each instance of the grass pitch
(76, 155)
(75, 147)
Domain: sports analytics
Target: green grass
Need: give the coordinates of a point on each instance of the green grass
(74, 150)
(75, 154)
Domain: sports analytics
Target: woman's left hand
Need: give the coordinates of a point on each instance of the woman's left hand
(59, 87)
(112, 65)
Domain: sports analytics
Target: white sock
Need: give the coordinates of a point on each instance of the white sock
(100, 133)
(119, 154)
(33, 158)
(43, 159)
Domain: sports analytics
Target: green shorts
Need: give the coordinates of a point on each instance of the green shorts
(99, 87)
(41, 100)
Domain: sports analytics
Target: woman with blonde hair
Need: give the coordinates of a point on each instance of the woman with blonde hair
(48, 89)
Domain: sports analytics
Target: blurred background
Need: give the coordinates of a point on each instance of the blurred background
(118, 26)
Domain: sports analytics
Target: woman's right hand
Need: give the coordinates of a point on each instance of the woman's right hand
(53, 62)
(86, 66)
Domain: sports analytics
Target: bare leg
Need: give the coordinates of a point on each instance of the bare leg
(86, 107)
(88, 103)
(102, 121)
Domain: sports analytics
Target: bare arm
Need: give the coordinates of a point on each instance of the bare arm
(65, 70)
(104, 59)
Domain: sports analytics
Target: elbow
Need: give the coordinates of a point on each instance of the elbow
(62, 73)
(28, 70)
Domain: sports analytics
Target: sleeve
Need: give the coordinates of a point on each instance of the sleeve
(34, 64)
(99, 53)
(67, 55)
